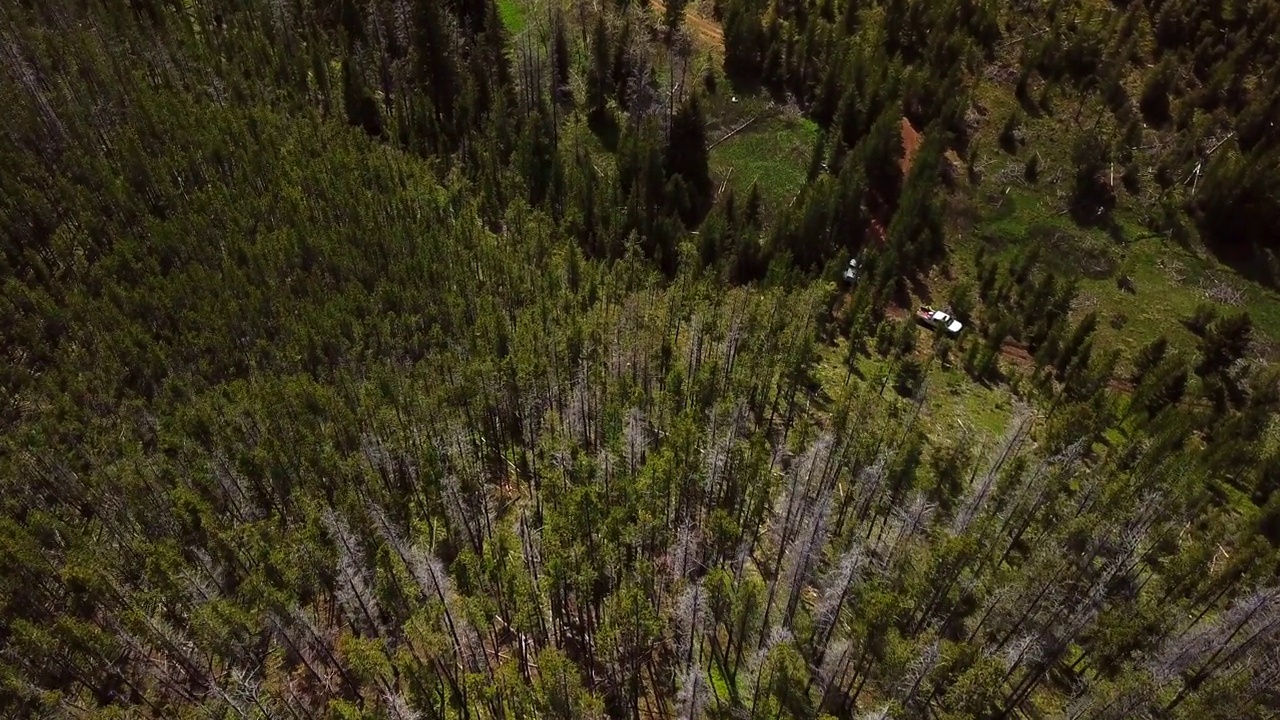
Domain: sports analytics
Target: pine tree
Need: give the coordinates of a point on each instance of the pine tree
(1226, 341)
(673, 17)
(687, 158)
(560, 66)
(1010, 134)
(1094, 197)
(360, 107)
(1151, 355)
(880, 152)
(1031, 171)
(1154, 102)
(1237, 204)
(436, 69)
(622, 68)
(600, 76)
(1074, 347)
(744, 41)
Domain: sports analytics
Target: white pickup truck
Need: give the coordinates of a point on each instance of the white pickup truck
(938, 319)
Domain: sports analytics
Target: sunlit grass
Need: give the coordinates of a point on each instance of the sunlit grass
(773, 153)
(511, 12)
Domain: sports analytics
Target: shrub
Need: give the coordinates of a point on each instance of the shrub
(1201, 319)
(1011, 136)
(910, 377)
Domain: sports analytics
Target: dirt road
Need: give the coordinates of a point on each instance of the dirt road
(705, 31)
(910, 143)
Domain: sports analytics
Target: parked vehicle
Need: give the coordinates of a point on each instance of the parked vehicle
(851, 272)
(939, 319)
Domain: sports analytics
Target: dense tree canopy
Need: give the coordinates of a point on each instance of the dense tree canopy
(367, 359)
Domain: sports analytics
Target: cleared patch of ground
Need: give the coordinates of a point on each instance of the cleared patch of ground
(705, 31)
(772, 152)
(910, 144)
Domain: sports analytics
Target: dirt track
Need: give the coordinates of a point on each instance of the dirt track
(910, 143)
(705, 30)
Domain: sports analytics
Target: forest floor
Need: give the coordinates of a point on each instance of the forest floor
(910, 144)
(955, 405)
(773, 153)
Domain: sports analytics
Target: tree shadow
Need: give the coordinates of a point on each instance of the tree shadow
(1237, 243)
(1095, 216)
(901, 294)
(744, 84)
(1245, 260)
(606, 129)
(1116, 231)
(921, 289)
(907, 289)
(1087, 213)
(1029, 104)
(856, 371)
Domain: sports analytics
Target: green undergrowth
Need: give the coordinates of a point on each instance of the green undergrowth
(954, 406)
(772, 152)
(1167, 281)
(958, 406)
(1008, 214)
(512, 14)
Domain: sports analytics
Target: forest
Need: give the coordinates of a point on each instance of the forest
(445, 359)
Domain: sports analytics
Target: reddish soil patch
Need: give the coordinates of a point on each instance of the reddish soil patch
(876, 231)
(1018, 355)
(1120, 385)
(897, 313)
(910, 143)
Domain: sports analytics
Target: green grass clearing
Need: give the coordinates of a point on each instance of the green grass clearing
(958, 406)
(1169, 281)
(773, 153)
(1008, 214)
(955, 405)
(511, 12)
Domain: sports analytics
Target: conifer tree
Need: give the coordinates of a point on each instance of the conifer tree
(600, 75)
(360, 107)
(1225, 342)
(560, 66)
(686, 158)
(1155, 92)
(436, 69)
(744, 40)
(673, 17)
